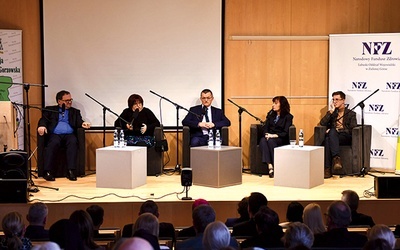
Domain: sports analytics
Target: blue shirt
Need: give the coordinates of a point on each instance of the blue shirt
(63, 127)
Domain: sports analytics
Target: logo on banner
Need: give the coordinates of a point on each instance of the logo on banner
(377, 48)
(377, 153)
(391, 87)
(376, 56)
(376, 109)
(391, 132)
(1, 47)
(359, 85)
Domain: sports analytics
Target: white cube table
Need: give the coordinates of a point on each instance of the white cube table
(299, 167)
(121, 167)
(216, 167)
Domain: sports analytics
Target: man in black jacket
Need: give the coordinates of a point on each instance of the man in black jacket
(61, 122)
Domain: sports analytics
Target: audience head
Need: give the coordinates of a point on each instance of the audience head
(199, 202)
(338, 215)
(37, 214)
(294, 212)
(97, 214)
(377, 244)
(312, 217)
(149, 207)
(202, 216)
(152, 239)
(339, 93)
(351, 198)
(216, 236)
(243, 208)
(47, 246)
(266, 219)
(284, 104)
(256, 200)
(66, 234)
(298, 234)
(85, 226)
(13, 228)
(135, 243)
(383, 232)
(148, 222)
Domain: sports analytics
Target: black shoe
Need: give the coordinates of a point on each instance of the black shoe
(71, 176)
(327, 173)
(271, 173)
(48, 177)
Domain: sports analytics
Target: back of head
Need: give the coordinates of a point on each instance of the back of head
(294, 212)
(97, 214)
(298, 234)
(202, 216)
(149, 207)
(243, 208)
(37, 213)
(381, 231)
(199, 202)
(47, 246)
(377, 244)
(148, 222)
(351, 198)
(13, 228)
(153, 240)
(135, 243)
(85, 225)
(256, 200)
(312, 217)
(266, 219)
(216, 236)
(339, 215)
(66, 234)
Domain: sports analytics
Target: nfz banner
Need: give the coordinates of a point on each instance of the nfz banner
(359, 65)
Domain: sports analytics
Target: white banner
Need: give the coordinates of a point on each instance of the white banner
(359, 65)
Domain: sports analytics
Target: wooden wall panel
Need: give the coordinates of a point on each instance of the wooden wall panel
(384, 16)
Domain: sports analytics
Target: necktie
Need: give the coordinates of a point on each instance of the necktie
(206, 114)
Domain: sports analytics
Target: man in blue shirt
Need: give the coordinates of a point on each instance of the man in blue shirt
(61, 122)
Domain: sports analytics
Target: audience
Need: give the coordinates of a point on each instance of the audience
(216, 236)
(37, 217)
(243, 213)
(135, 243)
(190, 231)
(85, 226)
(47, 246)
(298, 235)
(13, 229)
(66, 234)
(148, 222)
(352, 199)
(383, 232)
(248, 228)
(377, 244)
(96, 212)
(337, 220)
(294, 213)
(312, 217)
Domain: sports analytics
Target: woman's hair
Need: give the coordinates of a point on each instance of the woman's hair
(295, 212)
(133, 99)
(216, 236)
(85, 225)
(312, 217)
(148, 222)
(383, 232)
(298, 234)
(13, 228)
(285, 106)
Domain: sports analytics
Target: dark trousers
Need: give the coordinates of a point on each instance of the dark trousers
(267, 149)
(196, 141)
(70, 142)
(333, 139)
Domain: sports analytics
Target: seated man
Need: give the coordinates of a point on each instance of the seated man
(37, 217)
(340, 122)
(61, 123)
(207, 118)
(351, 198)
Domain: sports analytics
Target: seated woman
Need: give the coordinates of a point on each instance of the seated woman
(138, 123)
(14, 228)
(276, 130)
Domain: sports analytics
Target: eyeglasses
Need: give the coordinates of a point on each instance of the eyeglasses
(68, 100)
(336, 99)
(206, 98)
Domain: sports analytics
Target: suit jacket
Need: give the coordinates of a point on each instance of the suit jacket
(361, 219)
(191, 120)
(50, 118)
(281, 127)
(270, 239)
(247, 228)
(340, 237)
(36, 233)
(349, 120)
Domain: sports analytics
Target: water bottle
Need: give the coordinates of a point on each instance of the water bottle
(210, 139)
(116, 142)
(301, 138)
(121, 139)
(217, 139)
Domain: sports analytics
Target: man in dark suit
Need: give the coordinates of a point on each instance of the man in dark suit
(37, 217)
(351, 198)
(207, 118)
(61, 122)
(337, 235)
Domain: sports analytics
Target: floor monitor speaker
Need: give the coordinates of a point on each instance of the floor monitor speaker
(387, 186)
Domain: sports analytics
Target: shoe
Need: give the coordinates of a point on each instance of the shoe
(271, 173)
(337, 163)
(48, 177)
(327, 173)
(71, 176)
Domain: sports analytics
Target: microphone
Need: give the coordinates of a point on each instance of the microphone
(135, 115)
(63, 109)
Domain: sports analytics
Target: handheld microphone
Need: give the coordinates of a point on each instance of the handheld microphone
(135, 115)
(63, 109)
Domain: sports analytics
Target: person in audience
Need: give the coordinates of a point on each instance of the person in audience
(337, 220)
(298, 234)
(202, 216)
(96, 213)
(340, 122)
(148, 222)
(138, 123)
(204, 117)
(294, 213)
(248, 228)
(190, 231)
(377, 244)
(216, 236)
(383, 232)
(275, 130)
(243, 213)
(352, 199)
(61, 122)
(269, 233)
(47, 246)
(312, 217)
(13, 229)
(141, 240)
(37, 217)
(85, 225)
(66, 234)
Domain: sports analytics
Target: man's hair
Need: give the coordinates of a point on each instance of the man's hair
(148, 222)
(133, 99)
(96, 213)
(256, 200)
(202, 216)
(266, 219)
(298, 234)
(285, 106)
(216, 236)
(342, 95)
(295, 212)
(149, 207)
(242, 207)
(205, 91)
(351, 198)
(340, 214)
(37, 213)
(381, 231)
(60, 94)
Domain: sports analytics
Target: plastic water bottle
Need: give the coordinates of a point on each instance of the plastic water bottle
(116, 142)
(210, 139)
(121, 139)
(301, 138)
(217, 139)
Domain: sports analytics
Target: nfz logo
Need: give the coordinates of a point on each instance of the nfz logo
(393, 85)
(377, 48)
(359, 85)
(376, 108)
(392, 131)
(377, 152)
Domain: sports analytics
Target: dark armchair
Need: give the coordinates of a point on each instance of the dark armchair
(186, 143)
(60, 170)
(350, 155)
(256, 133)
(155, 155)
